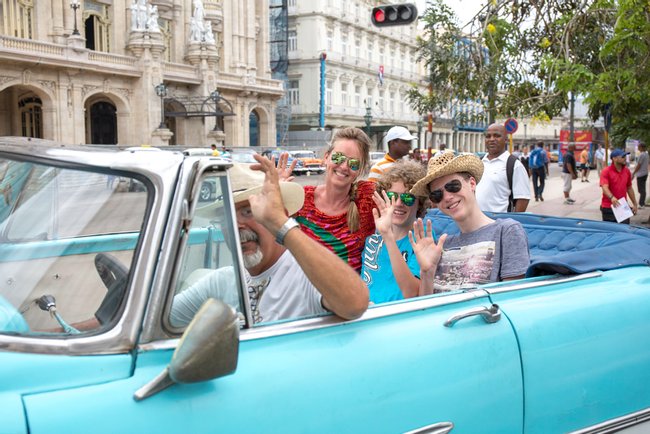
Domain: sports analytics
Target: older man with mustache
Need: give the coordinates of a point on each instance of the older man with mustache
(288, 274)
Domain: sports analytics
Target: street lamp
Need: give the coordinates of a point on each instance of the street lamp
(74, 4)
(368, 118)
(215, 97)
(161, 91)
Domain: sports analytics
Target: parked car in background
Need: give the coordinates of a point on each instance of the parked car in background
(89, 279)
(310, 163)
(376, 156)
(275, 153)
(243, 155)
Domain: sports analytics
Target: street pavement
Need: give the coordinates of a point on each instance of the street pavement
(586, 194)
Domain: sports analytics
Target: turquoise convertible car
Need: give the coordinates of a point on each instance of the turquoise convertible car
(89, 269)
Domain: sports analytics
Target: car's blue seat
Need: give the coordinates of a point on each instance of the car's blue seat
(570, 246)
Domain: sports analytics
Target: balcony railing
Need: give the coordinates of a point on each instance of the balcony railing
(31, 46)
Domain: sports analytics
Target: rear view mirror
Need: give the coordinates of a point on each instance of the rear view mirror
(208, 349)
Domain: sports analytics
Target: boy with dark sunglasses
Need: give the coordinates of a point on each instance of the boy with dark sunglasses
(390, 268)
(485, 250)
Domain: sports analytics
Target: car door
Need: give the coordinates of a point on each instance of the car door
(584, 346)
(397, 369)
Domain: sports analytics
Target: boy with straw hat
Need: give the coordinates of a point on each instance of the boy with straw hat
(485, 250)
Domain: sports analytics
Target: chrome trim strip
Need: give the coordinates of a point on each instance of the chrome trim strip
(516, 285)
(308, 324)
(617, 424)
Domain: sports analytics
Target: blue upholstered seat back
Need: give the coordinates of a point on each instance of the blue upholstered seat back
(570, 246)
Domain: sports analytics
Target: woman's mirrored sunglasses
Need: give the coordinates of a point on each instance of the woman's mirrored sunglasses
(340, 158)
(452, 187)
(407, 198)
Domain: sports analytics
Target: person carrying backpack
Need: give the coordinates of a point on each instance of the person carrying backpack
(538, 162)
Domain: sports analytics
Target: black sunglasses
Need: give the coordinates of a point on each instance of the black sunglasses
(452, 187)
(407, 198)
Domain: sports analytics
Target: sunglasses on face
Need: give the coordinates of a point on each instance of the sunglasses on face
(340, 158)
(407, 198)
(452, 187)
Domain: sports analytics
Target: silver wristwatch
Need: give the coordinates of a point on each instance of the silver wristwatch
(286, 227)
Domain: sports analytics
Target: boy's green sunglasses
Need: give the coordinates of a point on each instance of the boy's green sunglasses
(407, 199)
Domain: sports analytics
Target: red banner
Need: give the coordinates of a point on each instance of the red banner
(582, 139)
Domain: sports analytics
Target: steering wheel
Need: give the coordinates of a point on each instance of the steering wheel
(114, 275)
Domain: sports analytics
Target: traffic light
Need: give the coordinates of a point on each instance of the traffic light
(394, 15)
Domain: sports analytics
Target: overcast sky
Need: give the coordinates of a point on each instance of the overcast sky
(465, 9)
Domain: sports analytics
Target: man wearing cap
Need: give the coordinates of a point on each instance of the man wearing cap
(616, 183)
(485, 250)
(494, 191)
(399, 144)
(288, 274)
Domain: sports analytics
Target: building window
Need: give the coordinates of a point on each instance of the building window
(31, 117)
(97, 26)
(371, 48)
(330, 39)
(391, 102)
(253, 129)
(344, 94)
(357, 96)
(381, 56)
(292, 40)
(292, 3)
(17, 18)
(166, 31)
(294, 92)
(381, 100)
(329, 92)
(357, 48)
(344, 44)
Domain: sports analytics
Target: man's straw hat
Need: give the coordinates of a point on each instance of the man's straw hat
(246, 182)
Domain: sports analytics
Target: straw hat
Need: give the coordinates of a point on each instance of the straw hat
(446, 163)
(246, 182)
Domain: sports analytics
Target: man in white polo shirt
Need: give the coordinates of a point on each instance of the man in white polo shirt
(493, 192)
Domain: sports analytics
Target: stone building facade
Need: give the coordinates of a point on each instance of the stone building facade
(102, 83)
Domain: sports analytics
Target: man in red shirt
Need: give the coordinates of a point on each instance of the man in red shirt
(616, 182)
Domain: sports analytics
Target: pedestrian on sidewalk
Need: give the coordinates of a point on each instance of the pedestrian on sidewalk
(616, 183)
(538, 163)
(599, 155)
(584, 165)
(641, 173)
(569, 173)
(399, 141)
(494, 192)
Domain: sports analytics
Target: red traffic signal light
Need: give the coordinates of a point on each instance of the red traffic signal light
(394, 15)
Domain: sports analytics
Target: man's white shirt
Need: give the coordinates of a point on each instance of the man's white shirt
(493, 191)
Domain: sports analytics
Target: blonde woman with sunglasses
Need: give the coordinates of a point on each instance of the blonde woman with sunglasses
(390, 268)
(338, 213)
(485, 250)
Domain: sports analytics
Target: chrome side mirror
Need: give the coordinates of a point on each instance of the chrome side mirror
(208, 349)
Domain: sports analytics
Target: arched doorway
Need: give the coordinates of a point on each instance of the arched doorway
(254, 129)
(103, 123)
(31, 117)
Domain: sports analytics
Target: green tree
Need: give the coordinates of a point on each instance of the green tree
(525, 57)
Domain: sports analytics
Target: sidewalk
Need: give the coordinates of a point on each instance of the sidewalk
(586, 194)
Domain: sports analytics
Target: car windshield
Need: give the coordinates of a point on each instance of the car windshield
(67, 238)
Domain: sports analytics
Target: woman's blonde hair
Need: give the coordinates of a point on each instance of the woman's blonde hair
(409, 173)
(363, 143)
